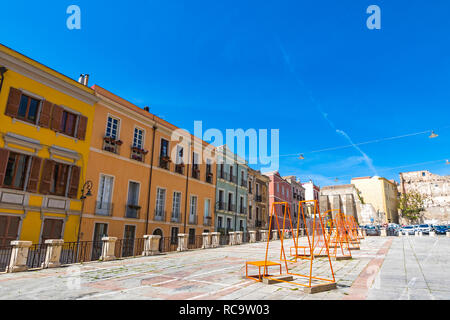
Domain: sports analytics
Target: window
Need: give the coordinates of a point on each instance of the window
(104, 196)
(241, 225)
(195, 168)
(176, 205)
(206, 212)
(278, 187)
(160, 203)
(59, 179)
(133, 207)
(250, 208)
(138, 138)
(16, 169)
(193, 210)
(242, 205)
(164, 148)
(28, 108)
(68, 123)
(112, 128)
(219, 222)
(229, 223)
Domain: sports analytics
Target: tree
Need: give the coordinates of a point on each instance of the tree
(411, 205)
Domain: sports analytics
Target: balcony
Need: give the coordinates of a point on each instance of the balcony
(258, 198)
(132, 211)
(209, 177)
(164, 162)
(233, 179)
(138, 154)
(179, 168)
(231, 207)
(160, 215)
(223, 175)
(258, 223)
(193, 219)
(111, 145)
(195, 173)
(244, 183)
(207, 221)
(176, 217)
(243, 210)
(103, 208)
(221, 205)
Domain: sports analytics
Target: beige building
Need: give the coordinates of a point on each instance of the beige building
(258, 200)
(437, 190)
(382, 194)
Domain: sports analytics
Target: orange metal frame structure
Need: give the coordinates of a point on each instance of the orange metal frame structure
(338, 235)
(266, 263)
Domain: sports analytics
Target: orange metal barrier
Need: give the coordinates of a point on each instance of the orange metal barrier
(313, 233)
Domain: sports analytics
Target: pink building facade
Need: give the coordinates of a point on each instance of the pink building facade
(279, 191)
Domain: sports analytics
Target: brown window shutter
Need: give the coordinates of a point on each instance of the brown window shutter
(46, 179)
(57, 229)
(33, 179)
(61, 182)
(46, 114)
(82, 126)
(13, 227)
(74, 182)
(12, 107)
(4, 155)
(57, 117)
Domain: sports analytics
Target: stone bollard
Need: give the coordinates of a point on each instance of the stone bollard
(206, 240)
(19, 255)
(364, 233)
(53, 253)
(264, 234)
(416, 233)
(238, 237)
(420, 233)
(215, 239)
(383, 232)
(275, 234)
(232, 238)
(182, 242)
(151, 245)
(432, 234)
(108, 248)
(448, 234)
(252, 236)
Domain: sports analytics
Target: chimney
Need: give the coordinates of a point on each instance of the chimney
(81, 79)
(146, 108)
(86, 79)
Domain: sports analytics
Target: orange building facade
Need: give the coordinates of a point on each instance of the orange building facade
(149, 177)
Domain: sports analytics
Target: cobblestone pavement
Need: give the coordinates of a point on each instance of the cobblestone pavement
(384, 268)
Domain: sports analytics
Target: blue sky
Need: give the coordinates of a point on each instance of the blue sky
(307, 68)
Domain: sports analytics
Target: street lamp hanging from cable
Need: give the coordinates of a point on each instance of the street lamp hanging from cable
(301, 157)
(433, 135)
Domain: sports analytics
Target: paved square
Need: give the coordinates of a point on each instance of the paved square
(384, 268)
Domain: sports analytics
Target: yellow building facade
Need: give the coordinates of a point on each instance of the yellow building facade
(382, 194)
(45, 128)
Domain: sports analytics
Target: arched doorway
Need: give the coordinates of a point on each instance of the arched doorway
(158, 232)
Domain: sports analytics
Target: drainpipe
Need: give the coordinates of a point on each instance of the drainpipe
(150, 180)
(236, 203)
(3, 70)
(187, 187)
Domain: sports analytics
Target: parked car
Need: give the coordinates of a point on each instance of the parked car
(408, 230)
(440, 229)
(425, 228)
(372, 231)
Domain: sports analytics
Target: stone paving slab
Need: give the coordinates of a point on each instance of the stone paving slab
(384, 268)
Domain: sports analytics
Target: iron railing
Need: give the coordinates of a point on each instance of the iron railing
(224, 239)
(176, 217)
(207, 221)
(168, 244)
(179, 168)
(195, 242)
(5, 256)
(129, 247)
(36, 255)
(193, 219)
(83, 251)
(132, 211)
(164, 162)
